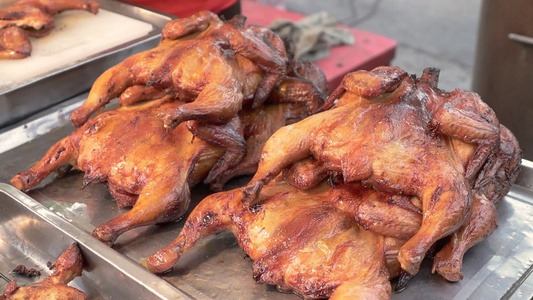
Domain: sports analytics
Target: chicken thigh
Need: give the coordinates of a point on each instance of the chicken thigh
(14, 43)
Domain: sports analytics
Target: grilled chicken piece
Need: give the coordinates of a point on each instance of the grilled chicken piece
(35, 16)
(393, 133)
(14, 43)
(304, 241)
(67, 267)
(150, 167)
(216, 67)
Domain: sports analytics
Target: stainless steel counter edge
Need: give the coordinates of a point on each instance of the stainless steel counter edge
(132, 270)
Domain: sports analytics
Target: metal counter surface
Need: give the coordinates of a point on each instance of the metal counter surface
(216, 268)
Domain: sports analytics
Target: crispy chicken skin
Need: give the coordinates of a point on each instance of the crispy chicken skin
(307, 242)
(150, 167)
(14, 43)
(216, 67)
(392, 132)
(492, 183)
(67, 267)
(314, 234)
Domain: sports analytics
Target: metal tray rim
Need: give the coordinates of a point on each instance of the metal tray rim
(152, 282)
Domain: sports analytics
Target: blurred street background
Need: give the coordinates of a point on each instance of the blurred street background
(429, 33)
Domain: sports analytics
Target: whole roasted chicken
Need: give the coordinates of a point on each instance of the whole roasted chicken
(216, 67)
(150, 167)
(318, 236)
(394, 133)
(307, 242)
(32, 18)
(68, 266)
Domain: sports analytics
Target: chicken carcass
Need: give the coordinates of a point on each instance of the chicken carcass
(150, 167)
(68, 266)
(393, 132)
(307, 242)
(26, 18)
(216, 67)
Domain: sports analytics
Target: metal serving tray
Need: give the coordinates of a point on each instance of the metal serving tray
(498, 268)
(32, 235)
(75, 67)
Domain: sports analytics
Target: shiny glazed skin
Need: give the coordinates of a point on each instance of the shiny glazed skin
(305, 242)
(392, 132)
(212, 65)
(148, 166)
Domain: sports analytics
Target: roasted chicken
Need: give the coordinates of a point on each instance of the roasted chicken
(216, 67)
(311, 233)
(14, 43)
(150, 167)
(306, 242)
(32, 18)
(492, 183)
(394, 133)
(67, 267)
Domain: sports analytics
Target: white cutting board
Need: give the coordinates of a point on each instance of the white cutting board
(77, 36)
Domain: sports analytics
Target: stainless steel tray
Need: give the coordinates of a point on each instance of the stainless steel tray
(33, 235)
(499, 267)
(21, 98)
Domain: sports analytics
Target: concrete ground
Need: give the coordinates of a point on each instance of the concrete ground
(430, 33)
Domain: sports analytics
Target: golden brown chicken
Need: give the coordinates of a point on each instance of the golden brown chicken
(393, 133)
(319, 240)
(150, 167)
(67, 267)
(14, 43)
(26, 18)
(306, 242)
(35, 16)
(492, 183)
(216, 67)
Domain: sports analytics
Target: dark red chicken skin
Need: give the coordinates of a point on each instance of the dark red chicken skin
(396, 144)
